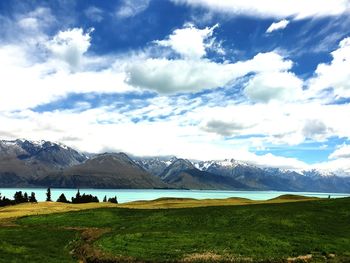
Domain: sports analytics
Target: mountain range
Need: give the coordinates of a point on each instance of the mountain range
(25, 163)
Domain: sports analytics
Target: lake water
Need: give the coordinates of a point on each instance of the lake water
(128, 195)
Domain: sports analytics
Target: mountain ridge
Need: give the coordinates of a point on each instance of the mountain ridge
(25, 163)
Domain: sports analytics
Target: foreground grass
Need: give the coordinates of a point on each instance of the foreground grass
(35, 244)
(275, 232)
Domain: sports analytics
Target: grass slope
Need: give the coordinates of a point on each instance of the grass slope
(246, 233)
(189, 202)
(27, 209)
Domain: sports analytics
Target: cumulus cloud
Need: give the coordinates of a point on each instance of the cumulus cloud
(297, 9)
(70, 46)
(190, 42)
(277, 26)
(267, 86)
(336, 74)
(174, 76)
(170, 76)
(342, 152)
(29, 81)
(130, 8)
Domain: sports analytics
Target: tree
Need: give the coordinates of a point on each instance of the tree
(25, 197)
(105, 199)
(32, 198)
(79, 199)
(48, 195)
(113, 200)
(5, 201)
(62, 199)
(18, 197)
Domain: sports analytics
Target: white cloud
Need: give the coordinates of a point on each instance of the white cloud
(169, 76)
(130, 8)
(336, 74)
(277, 26)
(297, 9)
(281, 86)
(28, 81)
(278, 123)
(190, 42)
(174, 76)
(70, 46)
(342, 152)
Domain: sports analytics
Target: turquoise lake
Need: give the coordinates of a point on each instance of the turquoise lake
(128, 195)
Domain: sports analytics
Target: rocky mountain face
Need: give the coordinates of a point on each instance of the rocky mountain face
(52, 154)
(277, 179)
(155, 166)
(26, 163)
(22, 161)
(233, 174)
(109, 170)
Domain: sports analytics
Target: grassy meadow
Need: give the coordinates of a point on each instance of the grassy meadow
(279, 230)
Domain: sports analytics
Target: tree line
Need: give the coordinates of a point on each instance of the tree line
(20, 197)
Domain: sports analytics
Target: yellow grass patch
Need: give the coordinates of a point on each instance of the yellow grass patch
(42, 208)
(164, 203)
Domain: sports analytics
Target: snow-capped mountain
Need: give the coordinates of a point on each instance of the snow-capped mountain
(206, 165)
(56, 154)
(318, 173)
(155, 165)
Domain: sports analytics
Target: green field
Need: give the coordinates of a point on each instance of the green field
(314, 231)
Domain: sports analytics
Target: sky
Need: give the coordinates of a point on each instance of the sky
(261, 81)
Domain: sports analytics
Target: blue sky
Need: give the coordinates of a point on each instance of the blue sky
(260, 81)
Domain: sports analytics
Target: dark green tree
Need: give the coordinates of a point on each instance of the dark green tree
(80, 199)
(32, 198)
(105, 199)
(48, 195)
(62, 199)
(18, 197)
(25, 197)
(113, 200)
(5, 201)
